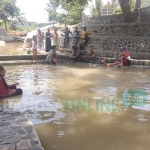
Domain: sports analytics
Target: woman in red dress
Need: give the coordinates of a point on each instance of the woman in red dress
(5, 89)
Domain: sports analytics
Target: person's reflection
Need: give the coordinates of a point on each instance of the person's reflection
(35, 81)
(35, 76)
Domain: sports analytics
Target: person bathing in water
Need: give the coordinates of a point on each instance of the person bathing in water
(76, 54)
(52, 57)
(123, 59)
(5, 89)
(91, 56)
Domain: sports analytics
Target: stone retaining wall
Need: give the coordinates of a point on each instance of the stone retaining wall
(110, 19)
(109, 33)
(17, 132)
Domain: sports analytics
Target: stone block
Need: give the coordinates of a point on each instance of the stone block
(29, 136)
(11, 140)
(15, 126)
(7, 147)
(22, 144)
(146, 63)
(34, 143)
(28, 129)
(20, 131)
(36, 148)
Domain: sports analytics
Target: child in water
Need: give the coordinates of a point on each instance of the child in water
(5, 89)
(52, 57)
(34, 48)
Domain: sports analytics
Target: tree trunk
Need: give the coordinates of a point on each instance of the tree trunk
(124, 4)
(53, 23)
(5, 24)
(138, 4)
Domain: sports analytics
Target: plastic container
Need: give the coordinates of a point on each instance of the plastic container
(114, 54)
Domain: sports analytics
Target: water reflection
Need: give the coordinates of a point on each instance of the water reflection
(47, 88)
(12, 49)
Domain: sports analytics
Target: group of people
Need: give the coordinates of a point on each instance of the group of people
(75, 35)
(37, 43)
(77, 56)
(80, 54)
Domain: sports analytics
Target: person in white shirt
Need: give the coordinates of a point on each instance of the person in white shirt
(34, 48)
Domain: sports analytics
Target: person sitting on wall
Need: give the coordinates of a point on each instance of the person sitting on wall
(123, 59)
(5, 89)
(82, 48)
(76, 54)
(52, 57)
(91, 56)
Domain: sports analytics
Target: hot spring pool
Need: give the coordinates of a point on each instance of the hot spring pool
(81, 106)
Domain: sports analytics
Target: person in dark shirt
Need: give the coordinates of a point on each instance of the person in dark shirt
(76, 54)
(91, 56)
(76, 37)
(66, 38)
(48, 40)
(82, 47)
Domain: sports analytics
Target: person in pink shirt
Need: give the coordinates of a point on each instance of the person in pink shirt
(5, 89)
(39, 37)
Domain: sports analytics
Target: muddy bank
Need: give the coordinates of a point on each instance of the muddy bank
(5, 37)
(9, 38)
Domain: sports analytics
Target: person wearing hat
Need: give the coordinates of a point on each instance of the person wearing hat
(123, 59)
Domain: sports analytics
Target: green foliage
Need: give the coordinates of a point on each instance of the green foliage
(95, 9)
(42, 24)
(8, 9)
(115, 7)
(108, 5)
(51, 10)
(72, 10)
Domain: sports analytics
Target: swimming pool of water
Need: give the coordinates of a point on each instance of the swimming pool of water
(12, 49)
(80, 106)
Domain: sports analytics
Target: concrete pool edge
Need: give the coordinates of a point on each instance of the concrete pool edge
(27, 59)
(17, 131)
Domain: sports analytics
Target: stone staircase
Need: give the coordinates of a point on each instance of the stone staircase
(109, 33)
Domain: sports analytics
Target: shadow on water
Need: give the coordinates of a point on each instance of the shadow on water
(54, 99)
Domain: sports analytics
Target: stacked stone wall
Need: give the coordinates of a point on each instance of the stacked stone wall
(108, 33)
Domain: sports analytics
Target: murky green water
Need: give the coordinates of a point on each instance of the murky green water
(12, 49)
(63, 102)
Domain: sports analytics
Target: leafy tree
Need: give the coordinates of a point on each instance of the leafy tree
(73, 9)
(115, 6)
(108, 5)
(96, 8)
(19, 17)
(130, 5)
(8, 10)
(52, 10)
(126, 9)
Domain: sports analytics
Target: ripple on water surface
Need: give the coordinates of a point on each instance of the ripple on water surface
(83, 122)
